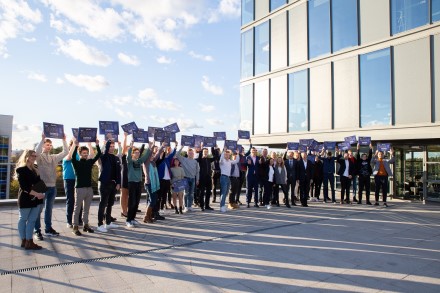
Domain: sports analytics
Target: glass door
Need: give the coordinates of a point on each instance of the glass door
(432, 191)
(409, 172)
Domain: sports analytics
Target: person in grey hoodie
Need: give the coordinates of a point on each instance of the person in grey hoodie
(47, 164)
(192, 173)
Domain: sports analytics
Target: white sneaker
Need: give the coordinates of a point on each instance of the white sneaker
(111, 225)
(268, 206)
(223, 209)
(135, 222)
(69, 225)
(185, 210)
(101, 229)
(161, 212)
(129, 225)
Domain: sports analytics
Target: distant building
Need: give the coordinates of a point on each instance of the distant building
(5, 154)
(328, 69)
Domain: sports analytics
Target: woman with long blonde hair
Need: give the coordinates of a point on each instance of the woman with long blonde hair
(28, 199)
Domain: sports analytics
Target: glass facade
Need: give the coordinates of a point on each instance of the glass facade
(246, 107)
(262, 48)
(4, 154)
(408, 14)
(274, 4)
(319, 27)
(247, 11)
(435, 10)
(344, 24)
(375, 88)
(298, 101)
(247, 54)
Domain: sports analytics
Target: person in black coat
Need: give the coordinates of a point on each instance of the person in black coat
(305, 177)
(363, 167)
(346, 173)
(291, 164)
(318, 174)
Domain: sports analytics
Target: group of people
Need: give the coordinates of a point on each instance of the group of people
(173, 180)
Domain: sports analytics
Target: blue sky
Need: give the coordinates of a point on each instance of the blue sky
(153, 62)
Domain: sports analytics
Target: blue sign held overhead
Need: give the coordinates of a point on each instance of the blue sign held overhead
(52, 130)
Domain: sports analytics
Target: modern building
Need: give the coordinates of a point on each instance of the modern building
(328, 69)
(5, 154)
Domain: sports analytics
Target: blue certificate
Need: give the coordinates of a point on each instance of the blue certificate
(52, 130)
(313, 145)
(383, 147)
(87, 134)
(174, 128)
(231, 145)
(329, 145)
(140, 136)
(344, 146)
(187, 140)
(209, 142)
(198, 139)
(220, 135)
(302, 148)
(152, 129)
(364, 140)
(244, 134)
(351, 139)
(319, 147)
(130, 127)
(159, 135)
(75, 133)
(108, 127)
(306, 142)
(293, 146)
(179, 185)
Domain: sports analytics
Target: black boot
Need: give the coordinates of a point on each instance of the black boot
(180, 210)
(176, 210)
(157, 216)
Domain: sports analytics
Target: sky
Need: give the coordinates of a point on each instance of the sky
(154, 62)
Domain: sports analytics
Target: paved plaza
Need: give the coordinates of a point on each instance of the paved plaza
(323, 248)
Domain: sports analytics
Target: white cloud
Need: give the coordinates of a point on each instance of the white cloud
(61, 26)
(214, 121)
(60, 80)
(103, 23)
(130, 60)
(77, 50)
(207, 58)
(124, 114)
(226, 8)
(213, 89)
(147, 98)
(206, 108)
(122, 101)
(163, 60)
(90, 83)
(16, 18)
(185, 124)
(19, 127)
(37, 76)
(30, 40)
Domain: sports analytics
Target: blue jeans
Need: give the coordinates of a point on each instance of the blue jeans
(147, 187)
(189, 192)
(329, 178)
(225, 184)
(26, 221)
(48, 202)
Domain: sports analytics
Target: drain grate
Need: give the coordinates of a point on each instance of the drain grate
(187, 244)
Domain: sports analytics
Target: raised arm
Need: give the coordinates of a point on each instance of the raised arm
(98, 153)
(65, 151)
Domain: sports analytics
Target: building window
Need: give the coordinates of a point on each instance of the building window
(247, 54)
(262, 48)
(375, 93)
(298, 101)
(247, 11)
(408, 14)
(274, 4)
(246, 107)
(344, 24)
(319, 27)
(435, 10)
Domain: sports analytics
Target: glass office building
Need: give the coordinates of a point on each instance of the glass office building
(328, 69)
(5, 155)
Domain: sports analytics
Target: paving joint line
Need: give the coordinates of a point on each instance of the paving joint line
(187, 244)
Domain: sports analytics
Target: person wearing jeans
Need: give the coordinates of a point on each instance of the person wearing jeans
(381, 171)
(328, 169)
(192, 174)
(364, 171)
(225, 182)
(47, 164)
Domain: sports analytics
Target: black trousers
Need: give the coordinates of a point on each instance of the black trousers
(107, 193)
(134, 195)
(345, 188)
(304, 187)
(205, 186)
(381, 183)
(242, 178)
(261, 185)
(276, 193)
(163, 193)
(364, 183)
(291, 183)
(316, 186)
(215, 180)
(235, 189)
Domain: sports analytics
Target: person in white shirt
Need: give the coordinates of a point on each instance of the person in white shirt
(268, 186)
(225, 170)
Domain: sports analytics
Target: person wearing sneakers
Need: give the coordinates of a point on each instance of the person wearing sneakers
(225, 181)
(269, 183)
(109, 179)
(83, 188)
(381, 171)
(47, 164)
(192, 175)
(234, 194)
(177, 174)
(205, 184)
(364, 171)
(134, 163)
(29, 200)
(346, 172)
(163, 169)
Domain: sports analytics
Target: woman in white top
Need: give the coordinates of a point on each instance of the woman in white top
(280, 179)
(268, 185)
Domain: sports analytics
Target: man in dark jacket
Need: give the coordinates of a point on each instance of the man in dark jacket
(346, 172)
(364, 171)
(328, 170)
(205, 182)
(305, 177)
(290, 162)
(317, 178)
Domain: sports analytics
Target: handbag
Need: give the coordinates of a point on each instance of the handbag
(39, 187)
